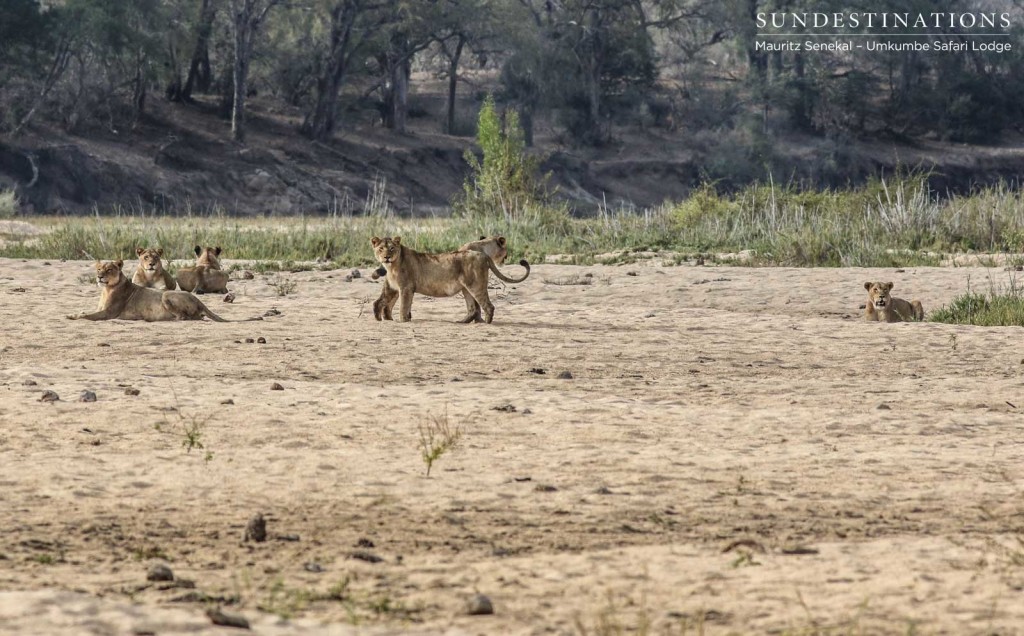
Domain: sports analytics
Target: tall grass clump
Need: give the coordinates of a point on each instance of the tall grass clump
(504, 185)
(999, 307)
(888, 221)
(8, 204)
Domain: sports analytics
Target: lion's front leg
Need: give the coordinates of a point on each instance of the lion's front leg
(405, 304)
(104, 314)
(383, 305)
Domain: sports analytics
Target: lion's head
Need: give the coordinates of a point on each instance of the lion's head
(208, 256)
(108, 273)
(150, 259)
(493, 246)
(879, 294)
(387, 250)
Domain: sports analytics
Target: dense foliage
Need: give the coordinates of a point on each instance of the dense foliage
(590, 66)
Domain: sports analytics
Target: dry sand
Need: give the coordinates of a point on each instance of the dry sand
(735, 452)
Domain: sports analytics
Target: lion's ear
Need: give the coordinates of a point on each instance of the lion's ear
(159, 251)
(119, 263)
(216, 251)
(397, 240)
(482, 238)
(867, 285)
(98, 264)
(139, 251)
(198, 250)
(501, 241)
(375, 241)
(889, 286)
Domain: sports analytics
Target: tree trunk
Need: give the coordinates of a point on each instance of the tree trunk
(321, 123)
(593, 73)
(139, 90)
(453, 79)
(400, 103)
(199, 75)
(241, 75)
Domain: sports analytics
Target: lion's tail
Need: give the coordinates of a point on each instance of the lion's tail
(214, 317)
(498, 273)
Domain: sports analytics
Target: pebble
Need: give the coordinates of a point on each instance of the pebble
(479, 605)
(261, 340)
(131, 391)
(229, 297)
(313, 567)
(883, 407)
(256, 529)
(363, 555)
(276, 387)
(364, 543)
(545, 488)
(356, 274)
(29, 383)
(565, 375)
(249, 340)
(630, 273)
(527, 412)
(159, 572)
(227, 401)
(271, 312)
(49, 396)
(218, 617)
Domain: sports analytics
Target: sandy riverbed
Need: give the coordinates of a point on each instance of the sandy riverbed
(735, 452)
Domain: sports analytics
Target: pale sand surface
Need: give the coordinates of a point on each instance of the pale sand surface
(708, 405)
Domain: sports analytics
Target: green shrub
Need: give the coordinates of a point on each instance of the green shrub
(997, 308)
(504, 184)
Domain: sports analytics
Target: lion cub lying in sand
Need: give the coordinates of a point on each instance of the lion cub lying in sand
(121, 298)
(883, 307)
(150, 271)
(206, 277)
(410, 272)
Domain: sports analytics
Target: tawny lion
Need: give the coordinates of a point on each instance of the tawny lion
(123, 299)
(150, 270)
(884, 307)
(206, 277)
(440, 275)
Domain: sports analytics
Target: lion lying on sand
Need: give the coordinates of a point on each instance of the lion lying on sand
(121, 298)
(206, 277)
(150, 271)
(440, 275)
(884, 307)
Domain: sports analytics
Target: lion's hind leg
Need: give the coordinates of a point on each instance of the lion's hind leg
(918, 310)
(472, 309)
(182, 305)
(483, 300)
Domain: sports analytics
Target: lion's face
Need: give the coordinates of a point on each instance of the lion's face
(208, 256)
(387, 250)
(108, 274)
(149, 260)
(879, 294)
